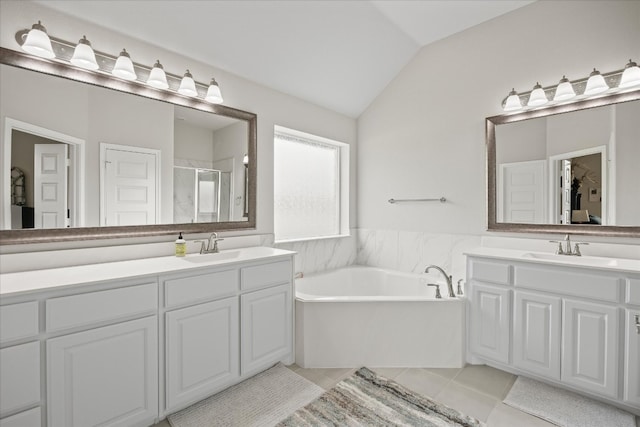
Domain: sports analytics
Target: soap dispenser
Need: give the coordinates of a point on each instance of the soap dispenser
(181, 246)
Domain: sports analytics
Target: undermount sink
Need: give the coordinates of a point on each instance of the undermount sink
(569, 259)
(204, 258)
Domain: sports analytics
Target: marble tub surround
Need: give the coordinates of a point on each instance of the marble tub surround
(413, 251)
(317, 255)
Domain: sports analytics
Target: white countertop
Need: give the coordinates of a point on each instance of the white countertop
(38, 280)
(600, 263)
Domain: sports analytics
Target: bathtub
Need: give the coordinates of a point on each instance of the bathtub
(363, 316)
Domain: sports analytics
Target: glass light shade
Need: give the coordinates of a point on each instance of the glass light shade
(513, 101)
(213, 93)
(595, 83)
(630, 75)
(83, 55)
(124, 67)
(157, 77)
(564, 90)
(38, 42)
(537, 97)
(187, 85)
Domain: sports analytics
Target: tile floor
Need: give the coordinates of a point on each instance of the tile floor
(475, 390)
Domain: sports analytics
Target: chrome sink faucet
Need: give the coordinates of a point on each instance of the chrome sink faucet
(209, 246)
(448, 277)
(567, 250)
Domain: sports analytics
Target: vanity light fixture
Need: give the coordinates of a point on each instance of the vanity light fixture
(83, 55)
(596, 83)
(537, 97)
(124, 67)
(188, 85)
(513, 101)
(214, 95)
(157, 77)
(564, 91)
(38, 42)
(630, 75)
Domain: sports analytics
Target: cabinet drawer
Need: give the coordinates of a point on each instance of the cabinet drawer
(93, 307)
(581, 283)
(20, 373)
(18, 321)
(633, 291)
(494, 272)
(30, 418)
(201, 287)
(260, 276)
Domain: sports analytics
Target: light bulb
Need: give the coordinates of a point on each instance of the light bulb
(564, 90)
(213, 93)
(537, 97)
(83, 55)
(157, 77)
(187, 85)
(513, 101)
(124, 67)
(630, 75)
(595, 83)
(38, 42)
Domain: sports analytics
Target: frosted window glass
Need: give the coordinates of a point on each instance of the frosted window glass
(306, 188)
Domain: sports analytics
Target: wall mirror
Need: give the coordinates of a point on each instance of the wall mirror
(570, 168)
(84, 161)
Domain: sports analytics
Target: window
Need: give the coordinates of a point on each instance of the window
(311, 186)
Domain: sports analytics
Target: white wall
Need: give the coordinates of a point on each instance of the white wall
(423, 136)
(628, 165)
(271, 107)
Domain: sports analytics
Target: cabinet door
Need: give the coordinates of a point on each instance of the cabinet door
(536, 335)
(19, 377)
(266, 327)
(632, 359)
(590, 347)
(202, 350)
(489, 321)
(106, 376)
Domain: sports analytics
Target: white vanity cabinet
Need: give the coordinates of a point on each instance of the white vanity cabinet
(20, 373)
(559, 323)
(127, 343)
(103, 375)
(202, 349)
(536, 333)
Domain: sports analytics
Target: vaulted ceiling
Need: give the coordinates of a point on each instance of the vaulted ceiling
(338, 54)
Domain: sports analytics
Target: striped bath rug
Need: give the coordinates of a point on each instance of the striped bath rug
(366, 399)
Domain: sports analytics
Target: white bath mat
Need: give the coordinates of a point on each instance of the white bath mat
(262, 400)
(564, 408)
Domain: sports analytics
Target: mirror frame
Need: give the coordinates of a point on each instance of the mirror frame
(58, 69)
(490, 129)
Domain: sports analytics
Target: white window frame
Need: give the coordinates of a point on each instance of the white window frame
(343, 183)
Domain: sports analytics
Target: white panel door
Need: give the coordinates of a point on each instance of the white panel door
(536, 335)
(106, 376)
(632, 359)
(266, 327)
(590, 347)
(490, 320)
(50, 185)
(202, 351)
(130, 187)
(522, 192)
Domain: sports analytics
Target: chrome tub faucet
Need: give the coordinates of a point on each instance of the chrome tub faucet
(448, 277)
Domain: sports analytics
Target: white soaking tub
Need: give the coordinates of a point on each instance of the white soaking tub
(363, 316)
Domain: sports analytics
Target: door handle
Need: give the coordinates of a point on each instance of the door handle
(637, 317)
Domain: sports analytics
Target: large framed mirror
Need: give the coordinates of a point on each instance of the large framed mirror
(89, 156)
(570, 168)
